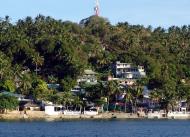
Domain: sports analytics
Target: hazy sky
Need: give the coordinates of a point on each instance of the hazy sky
(146, 12)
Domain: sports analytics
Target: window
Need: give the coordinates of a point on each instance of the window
(57, 108)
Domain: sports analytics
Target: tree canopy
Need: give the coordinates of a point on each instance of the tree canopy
(63, 49)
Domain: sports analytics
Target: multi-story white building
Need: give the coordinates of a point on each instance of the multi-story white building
(128, 71)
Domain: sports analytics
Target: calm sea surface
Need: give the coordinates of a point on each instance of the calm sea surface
(128, 128)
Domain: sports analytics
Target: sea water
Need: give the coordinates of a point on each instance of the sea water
(96, 128)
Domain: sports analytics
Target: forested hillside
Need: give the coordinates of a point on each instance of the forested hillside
(44, 49)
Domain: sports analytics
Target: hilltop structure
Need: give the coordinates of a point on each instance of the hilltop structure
(97, 8)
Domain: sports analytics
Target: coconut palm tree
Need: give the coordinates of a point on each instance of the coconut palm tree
(67, 99)
(155, 96)
(136, 93)
(25, 84)
(128, 97)
(116, 93)
(112, 87)
(77, 102)
(37, 60)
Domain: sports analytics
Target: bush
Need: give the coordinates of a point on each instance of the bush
(8, 103)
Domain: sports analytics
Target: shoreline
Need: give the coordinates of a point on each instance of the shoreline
(41, 116)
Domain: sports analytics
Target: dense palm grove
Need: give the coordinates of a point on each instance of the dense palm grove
(34, 52)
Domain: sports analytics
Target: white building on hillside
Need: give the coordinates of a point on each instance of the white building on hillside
(128, 71)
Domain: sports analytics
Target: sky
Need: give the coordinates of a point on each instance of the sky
(156, 13)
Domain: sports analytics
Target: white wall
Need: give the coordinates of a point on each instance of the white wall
(50, 110)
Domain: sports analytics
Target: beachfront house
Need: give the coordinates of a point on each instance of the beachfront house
(181, 106)
(29, 105)
(54, 109)
(91, 111)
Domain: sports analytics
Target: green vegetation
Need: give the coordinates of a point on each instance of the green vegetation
(40, 50)
(8, 102)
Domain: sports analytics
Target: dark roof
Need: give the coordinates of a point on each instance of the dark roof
(53, 86)
(29, 104)
(11, 94)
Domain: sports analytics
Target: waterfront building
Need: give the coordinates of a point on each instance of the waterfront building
(53, 109)
(29, 105)
(180, 112)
